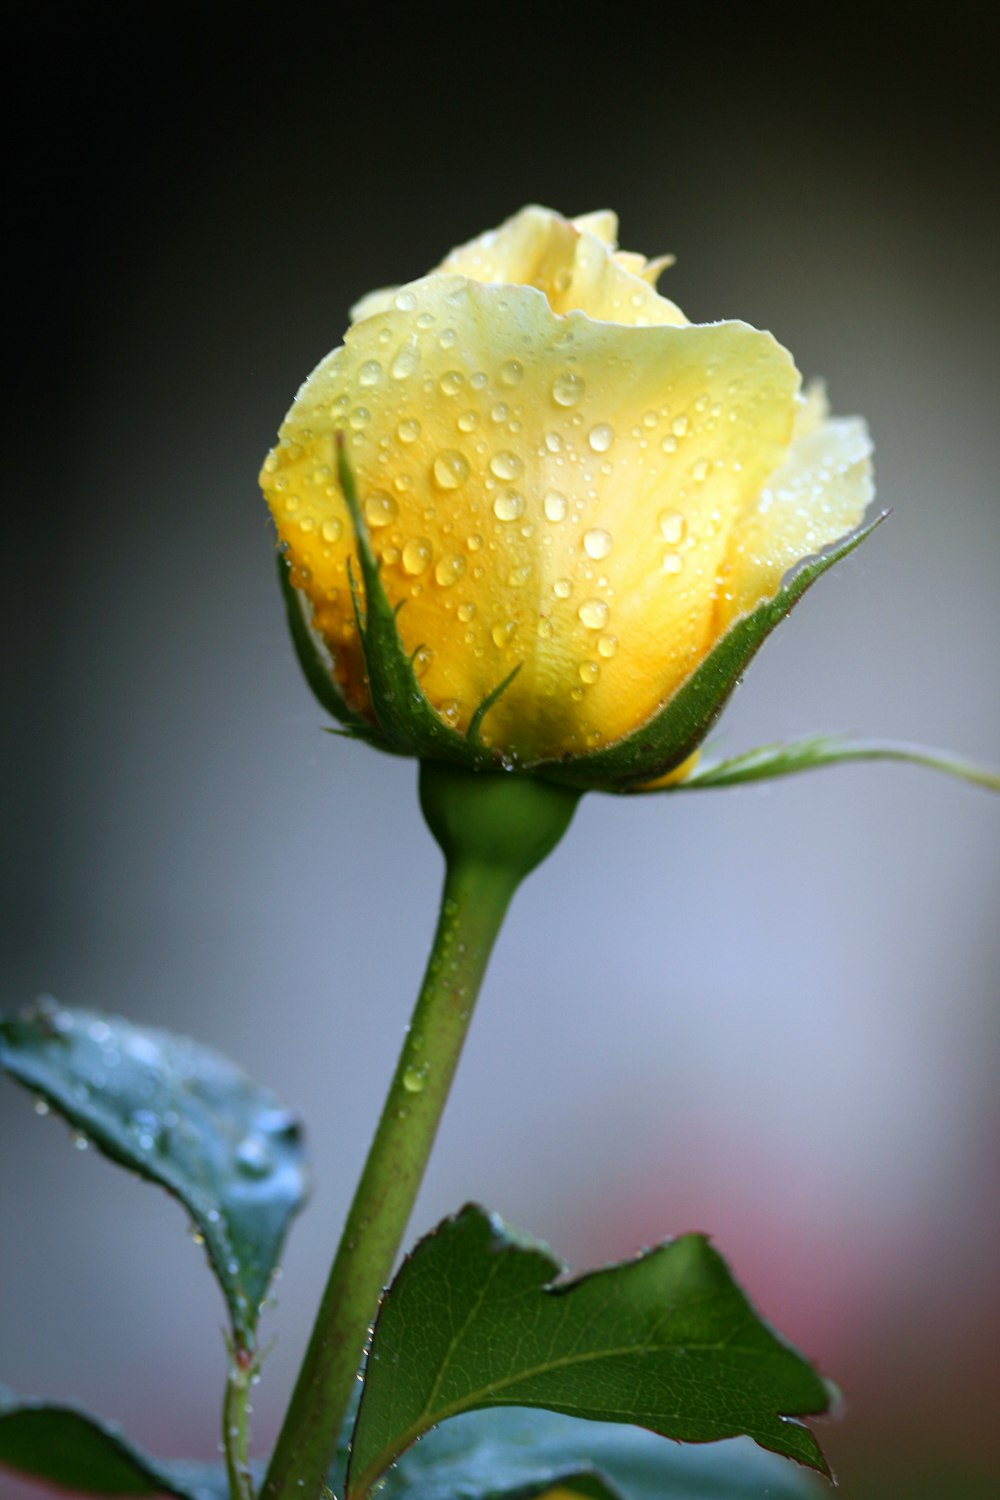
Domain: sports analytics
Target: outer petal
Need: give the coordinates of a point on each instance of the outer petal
(546, 492)
(815, 497)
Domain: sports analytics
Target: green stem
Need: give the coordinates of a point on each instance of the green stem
(492, 829)
(472, 909)
(236, 1424)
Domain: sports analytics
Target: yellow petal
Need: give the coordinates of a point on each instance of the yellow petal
(572, 261)
(815, 497)
(549, 492)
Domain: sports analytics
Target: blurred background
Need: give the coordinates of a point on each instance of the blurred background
(767, 1013)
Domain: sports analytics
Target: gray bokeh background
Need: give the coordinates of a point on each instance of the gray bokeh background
(768, 1013)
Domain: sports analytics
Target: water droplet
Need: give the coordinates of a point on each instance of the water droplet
(553, 442)
(407, 360)
(506, 465)
(499, 413)
(474, 542)
(679, 426)
(562, 588)
(417, 555)
(596, 542)
(601, 437)
(450, 469)
(594, 613)
(518, 577)
(451, 382)
(253, 1157)
(414, 1078)
(545, 628)
(508, 506)
(270, 463)
(468, 421)
(380, 509)
(80, 1140)
(699, 471)
(589, 671)
(405, 301)
(422, 659)
(608, 645)
(370, 372)
(567, 389)
(42, 1107)
(669, 444)
(672, 563)
(449, 570)
(331, 529)
(196, 1234)
(408, 430)
(511, 371)
(503, 632)
(672, 526)
(449, 709)
(555, 506)
(466, 612)
(359, 418)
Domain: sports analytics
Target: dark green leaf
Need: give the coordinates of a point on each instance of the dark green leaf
(316, 668)
(513, 1454)
(62, 1445)
(478, 1317)
(180, 1115)
(406, 719)
(680, 726)
(826, 750)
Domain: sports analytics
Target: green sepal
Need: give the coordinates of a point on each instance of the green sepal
(180, 1115)
(481, 1316)
(406, 720)
(316, 668)
(818, 750)
(59, 1443)
(514, 1453)
(680, 726)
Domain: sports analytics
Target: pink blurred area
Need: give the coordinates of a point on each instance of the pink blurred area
(767, 1014)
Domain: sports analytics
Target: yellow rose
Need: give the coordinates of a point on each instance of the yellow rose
(561, 478)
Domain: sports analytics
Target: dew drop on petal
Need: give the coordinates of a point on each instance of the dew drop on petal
(450, 469)
(408, 430)
(503, 632)
(407, 360)
(422, 659)
(562, 588)
(466, 612)
(449, 570)
(380, 509)
(594, 613)
(405, 301)
(506, 465)
(672, 562)
(589, 671)
(608, 645)
(597, 542)
(416, 555)
(508, 506)
(555, 506)
(672, 526)
(511, 371)
(567, 389)
(370, 372)
(331, 529)
(601, 437)
(451, 382)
